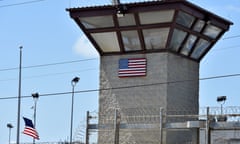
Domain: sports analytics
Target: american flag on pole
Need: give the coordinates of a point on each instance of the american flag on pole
(132, 67)
(29, 129)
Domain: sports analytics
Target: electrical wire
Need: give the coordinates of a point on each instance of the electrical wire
(49, 64)
(69, 62)
(226, 48)
(123, 87)
(21, 3)
(49, 74)
(76, 61)
(231, 37)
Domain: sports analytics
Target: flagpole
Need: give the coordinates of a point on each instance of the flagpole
(19, 95)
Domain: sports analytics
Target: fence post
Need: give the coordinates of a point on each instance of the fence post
(160, 125)
(207, 136)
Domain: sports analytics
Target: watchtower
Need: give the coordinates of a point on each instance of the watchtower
(149, 60)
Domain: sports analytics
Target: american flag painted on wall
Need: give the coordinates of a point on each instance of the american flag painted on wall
(132, 67)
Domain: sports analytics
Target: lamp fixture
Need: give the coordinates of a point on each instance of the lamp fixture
(221, 98)
(75, 81)
(9, 125)
(35, 95)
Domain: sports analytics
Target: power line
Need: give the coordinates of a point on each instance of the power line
(226, 48)
(49, 74)
(222, 76)
(76, 61)
(123, 87)
(22, 3)
(231, 37)
(69, 62)
(49, 64)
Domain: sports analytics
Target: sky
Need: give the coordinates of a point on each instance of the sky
(55, 51)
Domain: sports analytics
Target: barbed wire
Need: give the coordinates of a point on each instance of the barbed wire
(230, 111)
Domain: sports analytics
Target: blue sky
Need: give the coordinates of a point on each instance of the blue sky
(49, 36)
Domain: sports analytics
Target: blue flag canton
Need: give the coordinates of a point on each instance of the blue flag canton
(123, 63)
(28, 122)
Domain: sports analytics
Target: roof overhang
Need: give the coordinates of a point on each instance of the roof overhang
(175, 26)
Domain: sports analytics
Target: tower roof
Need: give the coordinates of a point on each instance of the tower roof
(176, 26)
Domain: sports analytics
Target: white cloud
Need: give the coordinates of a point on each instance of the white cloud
(85, 48)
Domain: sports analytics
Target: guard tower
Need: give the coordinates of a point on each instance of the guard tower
(150, 54)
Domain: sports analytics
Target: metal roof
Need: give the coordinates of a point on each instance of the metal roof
(175, 26)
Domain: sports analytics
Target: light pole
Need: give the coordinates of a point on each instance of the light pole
(35, 98)
(222, 99)
(73, 83)
(10, 126)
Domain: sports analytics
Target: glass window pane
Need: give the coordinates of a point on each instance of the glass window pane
(177, 39)
(97, 22)
(126, 20)
(185, 19)
(155, 38)
(156, 17)
(199, 25)
(212, 31)
(200, 48)
(108, 41)
(188, 45)
(130, 40)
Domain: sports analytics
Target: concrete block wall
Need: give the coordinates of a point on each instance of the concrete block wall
(166, 85)
(183, 87)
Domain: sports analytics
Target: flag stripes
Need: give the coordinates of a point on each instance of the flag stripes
(31, 132)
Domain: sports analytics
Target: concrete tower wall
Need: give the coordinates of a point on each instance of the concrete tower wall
(182, 97)
(138, 99)
(183, 86)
